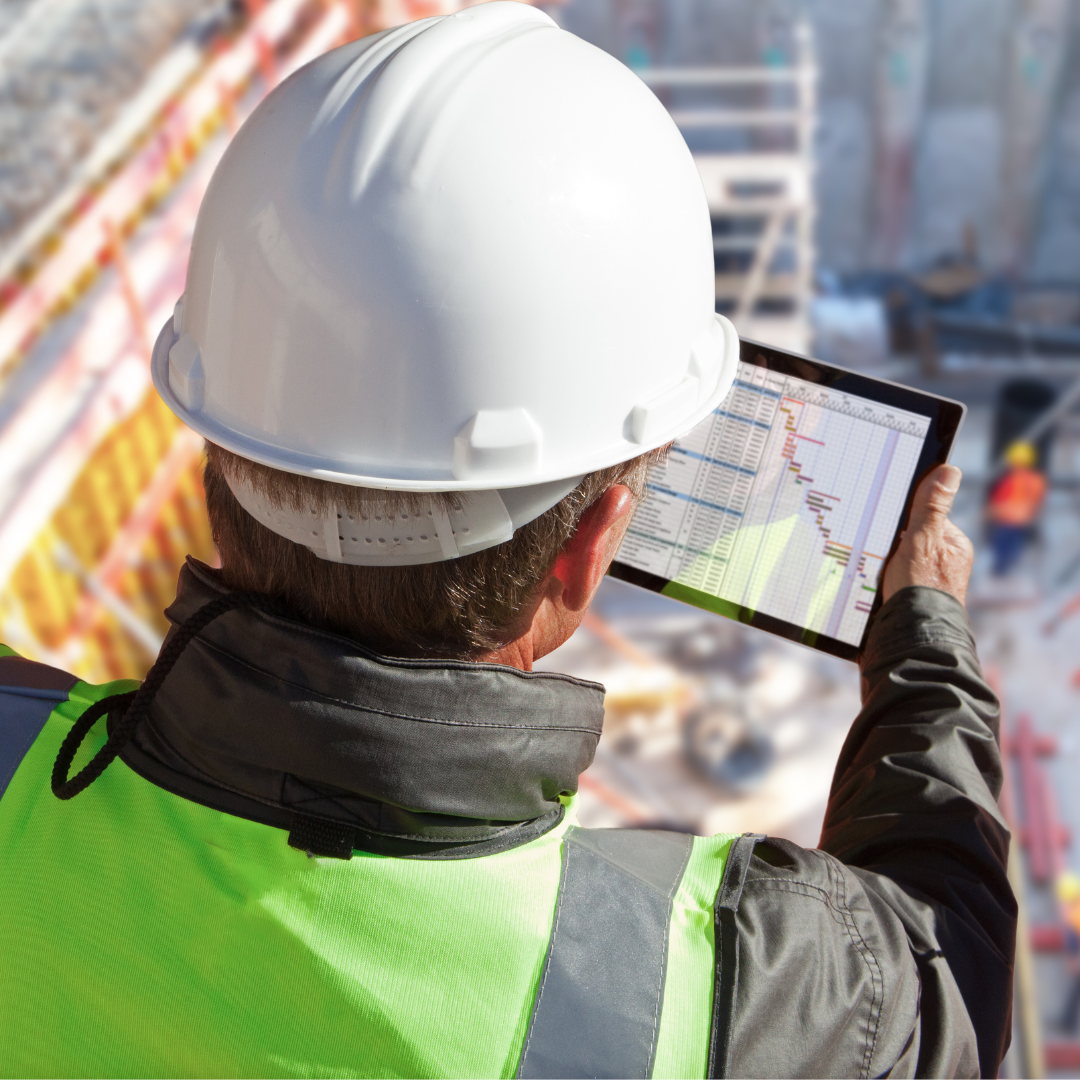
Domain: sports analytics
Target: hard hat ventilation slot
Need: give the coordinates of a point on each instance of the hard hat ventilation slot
(651, 419)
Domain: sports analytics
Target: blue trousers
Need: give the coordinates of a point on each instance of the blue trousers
(1007, 542)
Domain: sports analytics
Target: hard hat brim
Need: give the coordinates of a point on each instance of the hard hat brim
(323, 468)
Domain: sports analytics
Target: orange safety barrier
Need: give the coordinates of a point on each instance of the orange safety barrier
(1062, 1055)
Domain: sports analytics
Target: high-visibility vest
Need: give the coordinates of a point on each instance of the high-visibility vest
(147, 935)
(1017, 497)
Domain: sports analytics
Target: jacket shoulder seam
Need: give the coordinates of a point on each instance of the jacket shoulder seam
(847, 919)
(873, 966)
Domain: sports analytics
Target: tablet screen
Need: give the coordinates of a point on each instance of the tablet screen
(784, 503)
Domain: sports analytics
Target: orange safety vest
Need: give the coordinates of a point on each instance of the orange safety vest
(1017, 496)
(1070, 914)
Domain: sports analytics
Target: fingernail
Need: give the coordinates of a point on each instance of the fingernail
(949, 478)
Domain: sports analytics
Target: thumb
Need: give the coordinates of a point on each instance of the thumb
(934, 497)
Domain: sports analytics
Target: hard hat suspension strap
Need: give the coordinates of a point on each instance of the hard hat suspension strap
(331, 534)
(433, 530)
(444, 530)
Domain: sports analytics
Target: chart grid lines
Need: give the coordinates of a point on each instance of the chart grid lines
(781, 501)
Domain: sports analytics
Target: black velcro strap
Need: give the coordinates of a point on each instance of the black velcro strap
(597, 1010)
(322, 838)
(726, 932)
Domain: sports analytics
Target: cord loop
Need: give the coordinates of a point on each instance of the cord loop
(127, 710)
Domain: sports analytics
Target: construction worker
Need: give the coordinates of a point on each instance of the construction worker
(1014, 505)
(450, 292)
(1067, 889)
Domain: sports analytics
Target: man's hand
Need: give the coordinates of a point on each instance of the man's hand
(932, 550)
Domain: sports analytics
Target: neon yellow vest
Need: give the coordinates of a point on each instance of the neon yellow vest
(147, 935)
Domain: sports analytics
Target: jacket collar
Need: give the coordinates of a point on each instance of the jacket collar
(266, 717)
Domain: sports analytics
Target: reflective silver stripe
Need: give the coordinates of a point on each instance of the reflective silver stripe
(597, 1009)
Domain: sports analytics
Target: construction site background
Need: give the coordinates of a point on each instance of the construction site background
(894, 186)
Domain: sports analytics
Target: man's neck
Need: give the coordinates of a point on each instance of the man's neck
(552, 623)
(517, 654)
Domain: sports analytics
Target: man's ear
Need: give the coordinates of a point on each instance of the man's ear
(583, 562)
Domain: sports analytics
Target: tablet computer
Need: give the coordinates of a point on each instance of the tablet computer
(782, 507)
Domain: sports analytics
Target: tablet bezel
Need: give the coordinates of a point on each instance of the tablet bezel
(946, 417)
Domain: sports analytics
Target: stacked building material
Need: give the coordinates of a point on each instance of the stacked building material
(66, 68)
(100, 490)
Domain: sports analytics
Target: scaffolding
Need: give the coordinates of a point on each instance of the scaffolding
(760, 191)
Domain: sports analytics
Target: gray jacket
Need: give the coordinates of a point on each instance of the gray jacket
(886, 951)
(889, 949)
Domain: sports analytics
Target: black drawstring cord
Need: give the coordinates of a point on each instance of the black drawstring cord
(130, 708)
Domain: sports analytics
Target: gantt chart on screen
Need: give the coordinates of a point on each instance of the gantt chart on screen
(784, 501)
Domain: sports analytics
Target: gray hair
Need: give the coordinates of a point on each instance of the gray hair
(457, 609)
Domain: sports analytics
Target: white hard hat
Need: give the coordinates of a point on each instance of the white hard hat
(468, 254)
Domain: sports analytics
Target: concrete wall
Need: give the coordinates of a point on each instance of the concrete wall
(959, 159)
(845, 38)
(1056, 247)
(996, 149)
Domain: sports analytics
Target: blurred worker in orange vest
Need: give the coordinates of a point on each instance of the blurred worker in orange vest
(1015, 502)
(1067, 888)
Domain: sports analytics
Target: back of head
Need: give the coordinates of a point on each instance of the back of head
(458, 608)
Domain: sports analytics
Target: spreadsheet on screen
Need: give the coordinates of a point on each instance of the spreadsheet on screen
(784, 501)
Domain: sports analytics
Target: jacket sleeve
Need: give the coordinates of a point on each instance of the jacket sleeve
(913, 812)
(888, 950)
